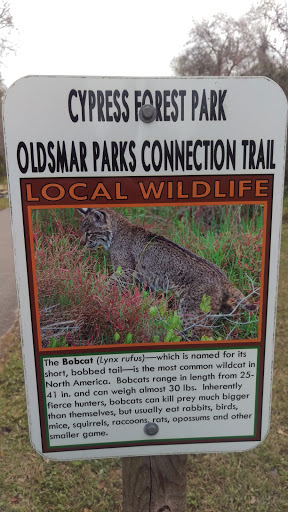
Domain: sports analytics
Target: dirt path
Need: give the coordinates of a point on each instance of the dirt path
(8, 298)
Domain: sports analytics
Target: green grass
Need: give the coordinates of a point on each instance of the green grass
(73, 282)
(4, 203)
(254, 481)
(3, 177)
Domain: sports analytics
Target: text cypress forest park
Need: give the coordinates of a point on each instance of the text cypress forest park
(115, 105)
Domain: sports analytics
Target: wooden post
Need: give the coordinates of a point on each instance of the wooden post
(154, 484)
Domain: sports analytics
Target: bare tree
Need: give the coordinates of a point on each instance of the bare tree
(6, 27)
(222, 45)
(274, 23)
(219, 46)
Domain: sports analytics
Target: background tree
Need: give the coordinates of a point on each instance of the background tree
(222, 45)
(218, 46)
(255, 44)
(6, 26)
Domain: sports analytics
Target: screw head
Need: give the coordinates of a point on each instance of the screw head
(151, 429)
(147, 113)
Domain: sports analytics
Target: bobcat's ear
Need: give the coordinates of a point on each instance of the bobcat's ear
(83, 211)
(99, 215)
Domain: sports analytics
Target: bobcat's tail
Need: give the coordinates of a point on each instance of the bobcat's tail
(238, 297)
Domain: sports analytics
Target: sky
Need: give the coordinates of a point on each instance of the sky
(104, 38)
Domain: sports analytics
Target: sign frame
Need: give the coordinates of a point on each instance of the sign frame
(26, 194)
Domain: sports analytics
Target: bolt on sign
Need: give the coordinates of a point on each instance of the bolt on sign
(146, 217)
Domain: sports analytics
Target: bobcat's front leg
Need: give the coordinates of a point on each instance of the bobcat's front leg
(123, 267)
(196, 323)
(122, 277)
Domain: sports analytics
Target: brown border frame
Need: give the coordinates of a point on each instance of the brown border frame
(68, 202)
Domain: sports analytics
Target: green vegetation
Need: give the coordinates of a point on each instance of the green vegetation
(77, 301)
(4, 202)
(54, 343)
(3, 177)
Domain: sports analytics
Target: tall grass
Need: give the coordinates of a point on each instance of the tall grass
(77, 301)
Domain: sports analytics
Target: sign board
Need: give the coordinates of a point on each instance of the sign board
(148, 316)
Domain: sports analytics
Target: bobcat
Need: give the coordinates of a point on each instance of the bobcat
(162, 265)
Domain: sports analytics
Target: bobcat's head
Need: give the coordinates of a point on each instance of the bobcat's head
(96, 228)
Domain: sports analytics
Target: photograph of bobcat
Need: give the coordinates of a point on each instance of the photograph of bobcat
(147, 274)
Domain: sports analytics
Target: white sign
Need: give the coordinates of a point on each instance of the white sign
(147, 321)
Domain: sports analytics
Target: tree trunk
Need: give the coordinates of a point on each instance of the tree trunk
(154, 484)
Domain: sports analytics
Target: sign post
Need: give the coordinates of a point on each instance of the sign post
(162, 342)
(158, 481)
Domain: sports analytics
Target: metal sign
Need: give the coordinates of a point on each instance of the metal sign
(143, 213)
